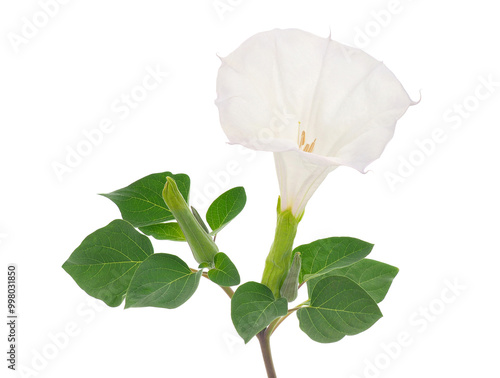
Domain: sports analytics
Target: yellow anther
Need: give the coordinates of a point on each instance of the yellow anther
(311, 149)
(301, 141)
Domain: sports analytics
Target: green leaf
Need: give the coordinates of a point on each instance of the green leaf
(164, 231)
(224, 273)
(373, 276)
(225, 208)
(338, 307)
(141, 203)
(162, 280)
(103, 265)
(253, 308)
(324, 255)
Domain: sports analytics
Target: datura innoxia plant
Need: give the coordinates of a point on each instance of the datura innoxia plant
(336, 106)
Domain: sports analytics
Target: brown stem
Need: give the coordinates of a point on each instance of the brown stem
(263, 336)
(265, 346)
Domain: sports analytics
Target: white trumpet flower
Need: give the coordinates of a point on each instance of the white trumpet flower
(315, 103)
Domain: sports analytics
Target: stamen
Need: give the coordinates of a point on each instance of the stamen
(301, 141)
(312, 146)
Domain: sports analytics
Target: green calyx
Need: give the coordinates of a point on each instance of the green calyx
(201, 243)
(290, 287)
(279, 260)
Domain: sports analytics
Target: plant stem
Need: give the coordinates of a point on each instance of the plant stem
(279, 258)
(276, 322)
(227, 289)
(265, 346)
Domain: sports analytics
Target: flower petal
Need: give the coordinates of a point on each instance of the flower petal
(356, 105)
(288, 91)
(262, 85)
(298, 177)
(341, 96)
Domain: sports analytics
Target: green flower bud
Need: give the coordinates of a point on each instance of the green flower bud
(290, 287)
(199, 219)
(202, 245)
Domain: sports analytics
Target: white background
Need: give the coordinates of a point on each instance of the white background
(437, 224)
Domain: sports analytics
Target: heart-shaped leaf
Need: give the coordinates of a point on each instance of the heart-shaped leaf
(253, 308)
(224, 273)
(338, 307)
(324, 255)
(373, 276)
(162, 280)
(225, 208)
(103, 265)
(141, 203)
(164, 231)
